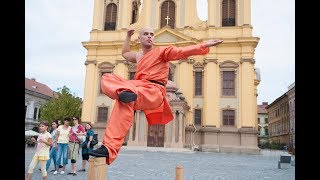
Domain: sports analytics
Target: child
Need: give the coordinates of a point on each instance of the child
(44, 141)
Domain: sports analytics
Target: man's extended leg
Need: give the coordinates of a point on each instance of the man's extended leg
(148, 96)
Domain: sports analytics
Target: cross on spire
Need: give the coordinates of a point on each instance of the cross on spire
(167, 18)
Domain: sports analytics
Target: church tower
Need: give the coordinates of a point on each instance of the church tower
(213, 97)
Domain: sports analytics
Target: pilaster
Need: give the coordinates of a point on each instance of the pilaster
(89, 92)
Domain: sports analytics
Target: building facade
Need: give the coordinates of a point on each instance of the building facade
(292, 120)
(213, 97)
(278, 112)
(36, 94)
(263, 130)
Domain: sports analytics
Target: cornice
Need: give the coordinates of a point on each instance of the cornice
(250, 60)
(90, 62)
(121, 61)
(206, 61)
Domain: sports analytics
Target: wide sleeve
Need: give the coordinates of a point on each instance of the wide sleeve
(171, 53)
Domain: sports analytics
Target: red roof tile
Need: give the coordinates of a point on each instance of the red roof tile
(262, 108)
(33, 85)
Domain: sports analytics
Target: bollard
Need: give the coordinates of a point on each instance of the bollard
(91, 169)
(179, 172)
(97, 168)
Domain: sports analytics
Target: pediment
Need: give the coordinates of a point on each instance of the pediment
(168, 35)
(229, 64)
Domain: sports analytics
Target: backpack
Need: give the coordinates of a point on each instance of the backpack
(94, 140)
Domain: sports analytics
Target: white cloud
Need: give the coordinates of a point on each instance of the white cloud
(54, 32)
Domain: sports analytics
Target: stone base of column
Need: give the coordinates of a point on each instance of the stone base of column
(225, 139)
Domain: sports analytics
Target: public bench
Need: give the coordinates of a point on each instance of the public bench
(284, 159)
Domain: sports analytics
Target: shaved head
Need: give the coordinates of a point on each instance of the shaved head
(148, 29)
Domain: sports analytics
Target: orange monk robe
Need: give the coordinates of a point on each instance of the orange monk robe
(155, 66)
(151, 97)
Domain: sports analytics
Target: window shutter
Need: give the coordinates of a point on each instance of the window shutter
(111, 17)
(168, 9)
(228, 12)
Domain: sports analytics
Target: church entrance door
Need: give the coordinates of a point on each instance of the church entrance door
(156, 135)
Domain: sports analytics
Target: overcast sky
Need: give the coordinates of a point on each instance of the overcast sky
(54, 30)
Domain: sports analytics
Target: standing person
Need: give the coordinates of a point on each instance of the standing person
(62, 142)
(74, 143)
(41, 155)
(146, 92)
(54, 147)
(86, 146)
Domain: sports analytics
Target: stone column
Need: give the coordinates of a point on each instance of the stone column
(246, 13)
(137, 127)
(181, 128)
(212, 9)
(173, 129)
(88, 105)
(125, 9)
(248, 103)
(218, 17)
(211, 102)
(97, 23)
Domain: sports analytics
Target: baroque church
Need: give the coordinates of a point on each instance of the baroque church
(213, 97)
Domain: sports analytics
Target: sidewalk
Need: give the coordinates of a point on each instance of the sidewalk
(151, 163)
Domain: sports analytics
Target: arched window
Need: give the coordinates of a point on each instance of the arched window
(228, 13)
(198, 72)
(111, 17)
(168, 14)
(135, 10)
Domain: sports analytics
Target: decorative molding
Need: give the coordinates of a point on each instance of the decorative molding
(250, 60)
(206, 61)
(105, 65)
(182, 61)
(198, 66)
(90, 62)
(229, 64)
(121, 61)
(191, 61)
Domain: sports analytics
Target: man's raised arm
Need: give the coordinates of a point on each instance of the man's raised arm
(129, 56)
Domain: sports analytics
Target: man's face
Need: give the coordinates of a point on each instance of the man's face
(146, 36)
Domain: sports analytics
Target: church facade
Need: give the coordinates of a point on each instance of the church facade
(213, 97)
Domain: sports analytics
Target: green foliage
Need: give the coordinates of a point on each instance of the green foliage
(272, 145)
(63, 105)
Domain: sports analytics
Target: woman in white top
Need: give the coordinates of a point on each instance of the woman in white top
(62, 142)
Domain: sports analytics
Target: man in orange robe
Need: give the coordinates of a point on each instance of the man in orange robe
(146, 92)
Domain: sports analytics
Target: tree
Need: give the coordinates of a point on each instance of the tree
(63, 104)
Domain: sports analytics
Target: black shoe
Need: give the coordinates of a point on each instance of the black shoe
(74, 174)
(81, 170)
(102, 151)
(127, 96)
(70, 173)
(53, 170)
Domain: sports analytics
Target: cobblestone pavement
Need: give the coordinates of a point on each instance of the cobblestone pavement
(147, 163)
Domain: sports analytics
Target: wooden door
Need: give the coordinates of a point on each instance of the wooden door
(156, 135)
